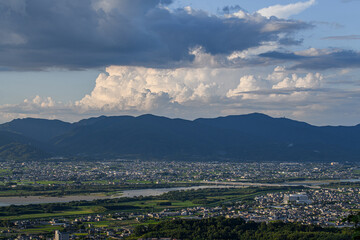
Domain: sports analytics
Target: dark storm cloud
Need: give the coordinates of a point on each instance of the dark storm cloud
(37, 34)
(332, 59)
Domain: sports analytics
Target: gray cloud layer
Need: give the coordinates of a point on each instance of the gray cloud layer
(337, 58)
(346, 37)
(37, 34)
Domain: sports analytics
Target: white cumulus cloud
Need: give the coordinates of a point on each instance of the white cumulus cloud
(258, 87)
(311, 80)
(285, 11)
(248, 83)
(40, 102)
(189, 93)
(139, 88)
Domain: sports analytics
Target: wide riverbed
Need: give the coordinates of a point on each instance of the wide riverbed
(7, 201)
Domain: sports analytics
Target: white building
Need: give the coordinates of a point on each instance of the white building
(61, 236)
(298, 198)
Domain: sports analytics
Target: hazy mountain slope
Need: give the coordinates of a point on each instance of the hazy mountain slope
(17, 147)
(39, 129)
(287, 130)
(244, 137)
(151, 136)
(279, 129)
(249, 137)
(23, 152)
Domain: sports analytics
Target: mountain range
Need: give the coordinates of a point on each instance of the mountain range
(252, 137)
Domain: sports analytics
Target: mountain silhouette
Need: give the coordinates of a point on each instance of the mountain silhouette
(251, 137)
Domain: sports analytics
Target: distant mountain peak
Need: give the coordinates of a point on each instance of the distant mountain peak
(151, 116)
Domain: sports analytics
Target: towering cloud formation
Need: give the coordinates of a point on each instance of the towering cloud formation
(139, 88)
(197, 92)
(147, 89)
(275, 85)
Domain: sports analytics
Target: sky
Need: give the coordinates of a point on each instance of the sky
(71, 60)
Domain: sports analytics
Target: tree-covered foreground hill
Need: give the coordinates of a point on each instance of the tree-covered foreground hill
(237, 228)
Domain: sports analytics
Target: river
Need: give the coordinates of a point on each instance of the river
(7, 201)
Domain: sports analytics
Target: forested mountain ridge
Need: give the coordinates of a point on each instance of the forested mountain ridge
(252, 137)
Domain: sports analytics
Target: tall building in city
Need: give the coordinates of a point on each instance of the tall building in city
(61, 236)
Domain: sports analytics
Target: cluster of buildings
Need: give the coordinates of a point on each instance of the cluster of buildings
(87, 226)
(135, 171)
(326, 206)
(320, 205)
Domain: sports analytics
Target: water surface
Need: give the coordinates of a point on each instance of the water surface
(7, 201)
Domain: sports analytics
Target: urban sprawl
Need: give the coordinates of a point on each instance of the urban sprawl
(325, 193)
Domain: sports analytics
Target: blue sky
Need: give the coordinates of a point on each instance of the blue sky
(201, 58)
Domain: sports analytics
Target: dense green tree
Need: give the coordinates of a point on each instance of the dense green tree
(237, 228)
